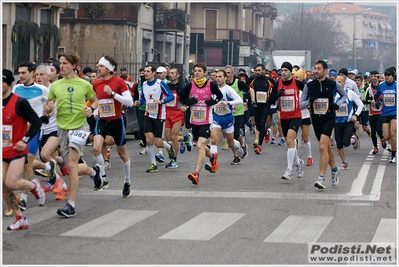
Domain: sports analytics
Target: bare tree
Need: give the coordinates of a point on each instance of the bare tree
(323, 36)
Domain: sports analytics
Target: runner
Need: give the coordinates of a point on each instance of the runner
(112, 92)
(197, 96)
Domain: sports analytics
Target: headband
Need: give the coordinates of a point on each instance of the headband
(106, 63)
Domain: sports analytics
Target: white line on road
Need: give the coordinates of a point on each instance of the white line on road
(375, 192)
(226, 194)
(203, 227)
(386, 231)
(358, 183)
(299, 229)
(110, 224)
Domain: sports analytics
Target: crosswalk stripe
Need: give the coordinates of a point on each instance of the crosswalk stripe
(375, 192)
(203, 227)
(386, 231)
(224, 194)
(110, 224)
(299, 229)
(358, 183)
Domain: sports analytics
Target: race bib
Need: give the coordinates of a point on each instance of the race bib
(221, 110)
(342, 111)
(320, 106)
(198, 114)
(287, 103)
(261, 97)
(106, 108)
(78, 137)
(245, 107)
(389, 100)
(7, 136)
(152, 108)
(172, 103)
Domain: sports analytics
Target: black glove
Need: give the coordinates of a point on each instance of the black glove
(192, 101)
(334, 106)
(376, 98)
(44, 119)
(377, 104)
(211, 102)
(281, 92)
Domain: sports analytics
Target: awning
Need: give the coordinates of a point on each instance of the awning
(389, 27)
(372, 24)
(382, 25)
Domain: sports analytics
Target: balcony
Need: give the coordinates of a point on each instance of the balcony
(170, 20)
(91, 12)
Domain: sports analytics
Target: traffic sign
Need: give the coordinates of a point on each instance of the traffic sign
(372, 44)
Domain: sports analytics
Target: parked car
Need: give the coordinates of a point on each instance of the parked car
(131, 122)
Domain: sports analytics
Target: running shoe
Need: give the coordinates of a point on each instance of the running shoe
(258, 150)
(20, 223)
(182, 148)
(236, 160)
(383, 143)
(320, 183)
(332, 141)
(266, 139)
(22, 204)
(282, 142)
(53, 175)
(160, 158)
(273, 141)
(108, 152)
(256, 143)
(334, 177)
(141, 144)
(171, 150)
(62, 195)
(98, 181)
(107, 164)
(126, 190)
(225, 145)
(344, 166)
(214, 162)
(245, 149)
(172, 164)
(375, 151)
(9, 212)
(38, 192)
(299, 168)
(194, 177)
(189, 142)
(57, 188)
(287, 175)
(153, 168)
(48, 186)
(310, 162)
(42, 173)
(240, 152)
(67, 211)
(392, 160)
(143, 151)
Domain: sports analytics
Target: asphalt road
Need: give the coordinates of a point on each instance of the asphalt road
(244, 214)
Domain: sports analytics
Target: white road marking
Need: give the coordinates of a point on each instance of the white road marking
(358, 183)
(110, 224)
(299, 229)
(386, 231)
(203, 227)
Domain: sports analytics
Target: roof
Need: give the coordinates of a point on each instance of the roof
(344, 8)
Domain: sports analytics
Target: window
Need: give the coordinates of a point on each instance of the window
(23, 14)
(210, 24)
(45, 18)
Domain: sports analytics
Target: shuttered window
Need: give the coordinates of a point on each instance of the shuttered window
(210, 24)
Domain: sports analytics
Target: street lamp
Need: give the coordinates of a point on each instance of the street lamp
(322, 29)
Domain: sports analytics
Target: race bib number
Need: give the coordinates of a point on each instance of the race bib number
(342, 111)
(7, 136)
(287, 103)
(261, 97)
(152, 108)
(106, 108)
(221, 110)
(78, 137)
(172, 103)
(198, 114)
(320, 106)
(389, 100)
(373, 108)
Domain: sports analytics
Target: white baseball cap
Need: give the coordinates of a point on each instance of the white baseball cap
(161, 69)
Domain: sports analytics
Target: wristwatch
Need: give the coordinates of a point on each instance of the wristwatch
(113, 94)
